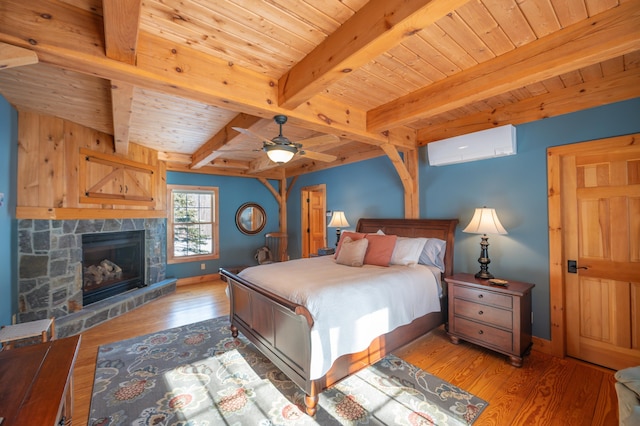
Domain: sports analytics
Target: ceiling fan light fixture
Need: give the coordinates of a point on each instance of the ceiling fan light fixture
(280, 153)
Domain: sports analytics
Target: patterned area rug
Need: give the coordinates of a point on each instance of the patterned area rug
(198, 375)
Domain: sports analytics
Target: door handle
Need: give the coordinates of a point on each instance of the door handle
(572, 267)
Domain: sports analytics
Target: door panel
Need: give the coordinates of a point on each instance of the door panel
(317, 221)
(601, 211)
(313, 220)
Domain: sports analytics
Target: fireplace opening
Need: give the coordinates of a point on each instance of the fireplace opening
(112, 263)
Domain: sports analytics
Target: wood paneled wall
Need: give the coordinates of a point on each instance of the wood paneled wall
(49, 181)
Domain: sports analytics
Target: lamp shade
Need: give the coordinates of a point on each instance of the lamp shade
(338, 220)
(280, 153)
(485, 221)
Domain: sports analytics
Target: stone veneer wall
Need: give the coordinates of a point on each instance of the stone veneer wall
(50, 261)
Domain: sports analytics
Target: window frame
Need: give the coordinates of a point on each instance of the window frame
(171, 258)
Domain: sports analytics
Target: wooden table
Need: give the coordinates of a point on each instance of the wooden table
(36, 383)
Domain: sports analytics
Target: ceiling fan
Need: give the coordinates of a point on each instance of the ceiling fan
(281, 150)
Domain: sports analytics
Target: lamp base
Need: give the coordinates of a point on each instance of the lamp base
(484, 259)
(484, 275)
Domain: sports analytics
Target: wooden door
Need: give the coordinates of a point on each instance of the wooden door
(314, 230)
(601, 233)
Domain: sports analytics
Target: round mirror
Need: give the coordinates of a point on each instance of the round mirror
(250, 218)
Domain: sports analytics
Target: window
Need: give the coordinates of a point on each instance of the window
(192, 223)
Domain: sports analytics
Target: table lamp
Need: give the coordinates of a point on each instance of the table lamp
(484, 221)
(338, 220)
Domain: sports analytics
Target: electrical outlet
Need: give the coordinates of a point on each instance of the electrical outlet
(203, 266)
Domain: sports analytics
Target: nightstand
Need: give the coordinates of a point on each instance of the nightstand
(325, 251)
(492, 316)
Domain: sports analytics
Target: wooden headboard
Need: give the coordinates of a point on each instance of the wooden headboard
(443, 229)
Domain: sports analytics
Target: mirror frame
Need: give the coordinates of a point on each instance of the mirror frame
(241, 226)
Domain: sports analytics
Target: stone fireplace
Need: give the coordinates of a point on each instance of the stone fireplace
(50, 271)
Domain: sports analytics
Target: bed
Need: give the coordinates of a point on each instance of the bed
(286, 331)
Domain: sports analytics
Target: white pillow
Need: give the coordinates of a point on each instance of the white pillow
(407, 251)
(352, 252)
(433, 253)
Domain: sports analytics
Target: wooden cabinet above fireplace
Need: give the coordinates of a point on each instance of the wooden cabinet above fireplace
(109, 179)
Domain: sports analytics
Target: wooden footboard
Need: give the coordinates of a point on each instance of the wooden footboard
(280, 329)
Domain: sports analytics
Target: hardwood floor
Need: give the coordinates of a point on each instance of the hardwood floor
(545, 391)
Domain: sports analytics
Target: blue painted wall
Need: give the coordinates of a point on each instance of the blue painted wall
(516, 186)
(8, 227)
(366, 189)
(236, 248)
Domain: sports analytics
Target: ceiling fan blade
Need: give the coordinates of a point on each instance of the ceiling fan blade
(250, 133)
(319, 140)
(320, 156)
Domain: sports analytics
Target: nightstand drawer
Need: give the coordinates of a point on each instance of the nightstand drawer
(484, 297)
(481, 332)
(487, 314)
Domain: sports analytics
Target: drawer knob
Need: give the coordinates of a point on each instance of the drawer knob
(480, 332)
(480, 296)
(480, 312)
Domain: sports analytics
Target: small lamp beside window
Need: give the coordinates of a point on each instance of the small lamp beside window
(484, 221)
(338, 220)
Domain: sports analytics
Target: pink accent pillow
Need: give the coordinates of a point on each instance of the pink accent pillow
(380, 249)
(353, 235)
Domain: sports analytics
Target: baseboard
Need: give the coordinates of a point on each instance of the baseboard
(197, 279)
(542, 345)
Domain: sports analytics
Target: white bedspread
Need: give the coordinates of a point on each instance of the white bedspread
(350, 306)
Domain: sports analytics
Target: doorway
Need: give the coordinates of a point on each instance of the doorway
(313, 221)
(594, 223)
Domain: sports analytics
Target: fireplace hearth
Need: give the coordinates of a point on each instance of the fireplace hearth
(112, 263)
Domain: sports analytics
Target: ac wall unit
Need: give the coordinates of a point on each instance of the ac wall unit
(490, 143)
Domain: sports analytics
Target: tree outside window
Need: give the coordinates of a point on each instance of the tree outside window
(192, 223)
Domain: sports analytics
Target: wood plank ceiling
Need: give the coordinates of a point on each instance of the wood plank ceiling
(177, 75)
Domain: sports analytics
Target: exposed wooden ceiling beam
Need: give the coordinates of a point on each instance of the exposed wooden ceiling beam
(233, 170)
(373, 30)
(121, 101)
(207, 152)
(393, 154)
(231, 164)
(13, 56)
(121, 27)
(615, 88)
(604, 36)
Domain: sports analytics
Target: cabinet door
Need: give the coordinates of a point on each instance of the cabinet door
(107, 179)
